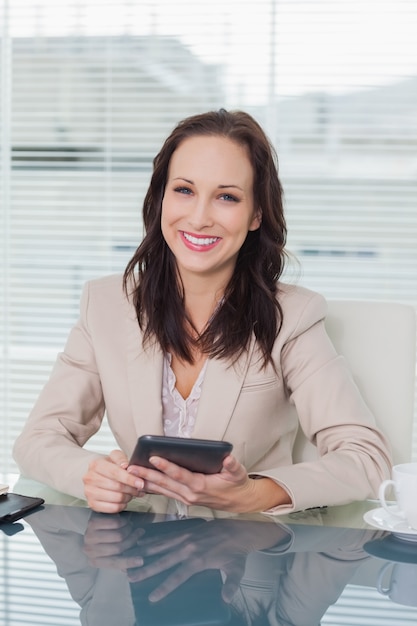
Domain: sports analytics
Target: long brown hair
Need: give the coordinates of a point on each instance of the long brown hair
(250, 304)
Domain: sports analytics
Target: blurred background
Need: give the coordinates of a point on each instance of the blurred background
(88, 92)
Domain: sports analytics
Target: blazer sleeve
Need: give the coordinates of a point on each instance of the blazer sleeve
(69, 410)
(354, 457)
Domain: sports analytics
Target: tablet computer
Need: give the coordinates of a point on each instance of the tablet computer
(197, 455)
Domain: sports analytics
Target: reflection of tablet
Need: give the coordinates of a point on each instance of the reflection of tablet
(198, 455)
(197, 602)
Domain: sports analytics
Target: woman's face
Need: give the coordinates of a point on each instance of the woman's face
(208, 206)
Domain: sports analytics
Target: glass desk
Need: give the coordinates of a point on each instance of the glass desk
(65, 565)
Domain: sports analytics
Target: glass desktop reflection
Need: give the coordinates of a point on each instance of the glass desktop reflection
(66, 565)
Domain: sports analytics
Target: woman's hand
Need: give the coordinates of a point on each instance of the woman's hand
(108, 486)
(230, 490)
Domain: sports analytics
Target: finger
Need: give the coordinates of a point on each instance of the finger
(105, 500)
(232, 465)
(171, 481)
(127, 547)
(176, 472)
(119, 458)
(117, 537)
(164, 467)
(172, 582)
(233, 572)
(103, 506)
(99, 525)
(154, 546)
(102, 522)
(174, 481)
(158, 566)
(121, 563)
(174, 491)
(108, 547)
(105, 474)
(106, 489)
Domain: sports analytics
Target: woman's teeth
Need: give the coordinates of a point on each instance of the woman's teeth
(200, 241)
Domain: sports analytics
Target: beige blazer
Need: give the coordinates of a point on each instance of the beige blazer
(104, 367)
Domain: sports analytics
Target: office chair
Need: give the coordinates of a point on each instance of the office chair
(378, 340)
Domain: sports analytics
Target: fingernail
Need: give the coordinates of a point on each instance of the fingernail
(154, 460)
(155, 596)
(139, 484)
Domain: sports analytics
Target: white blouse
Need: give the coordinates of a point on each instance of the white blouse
(179, 414)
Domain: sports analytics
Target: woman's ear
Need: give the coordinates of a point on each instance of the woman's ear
(256, 220)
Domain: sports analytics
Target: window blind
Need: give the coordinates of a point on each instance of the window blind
(90, 89)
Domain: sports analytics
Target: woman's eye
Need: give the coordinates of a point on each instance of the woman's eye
(229, 198)
(184, 190)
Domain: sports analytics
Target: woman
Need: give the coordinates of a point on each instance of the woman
(201, 339)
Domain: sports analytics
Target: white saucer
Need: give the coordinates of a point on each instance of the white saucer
(380, 518)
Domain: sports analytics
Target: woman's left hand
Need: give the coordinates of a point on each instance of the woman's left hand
(230, 490)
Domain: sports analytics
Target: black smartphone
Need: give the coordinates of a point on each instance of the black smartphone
(197, 455)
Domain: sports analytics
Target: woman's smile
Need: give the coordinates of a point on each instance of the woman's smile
(199, 243)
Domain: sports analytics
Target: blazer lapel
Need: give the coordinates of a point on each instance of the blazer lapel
(220, 392)
(144, 371)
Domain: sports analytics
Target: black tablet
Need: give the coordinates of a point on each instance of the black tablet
(197, 455)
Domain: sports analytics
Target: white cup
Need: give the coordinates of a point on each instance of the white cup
(402, 582)
(404, 481)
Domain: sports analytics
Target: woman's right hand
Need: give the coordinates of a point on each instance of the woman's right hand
(108, 487)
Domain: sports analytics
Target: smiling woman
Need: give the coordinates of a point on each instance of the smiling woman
(105, 92)
(202, 339)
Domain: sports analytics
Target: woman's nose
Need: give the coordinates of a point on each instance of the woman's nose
(201, 214)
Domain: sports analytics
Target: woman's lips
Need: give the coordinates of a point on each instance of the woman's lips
(200, 243)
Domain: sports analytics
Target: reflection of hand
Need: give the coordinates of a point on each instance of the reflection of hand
(180, 548)
(108, 486)
(108, 540)
(229, 490)
(181, 554)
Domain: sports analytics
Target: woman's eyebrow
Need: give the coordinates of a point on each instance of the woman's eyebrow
(191, 182)
(229, 186)
(184, 179)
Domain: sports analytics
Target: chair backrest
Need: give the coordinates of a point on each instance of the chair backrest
(378, 340)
